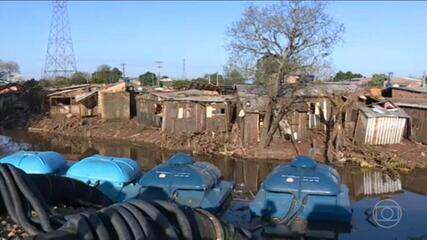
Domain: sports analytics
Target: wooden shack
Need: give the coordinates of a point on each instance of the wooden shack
(414, 102)
(149, 108)
(379, 125)
(310, 109)
(250, 112)
(115, 103)
(417, 110)
(79, 100)
(406, 92)
(192, 111)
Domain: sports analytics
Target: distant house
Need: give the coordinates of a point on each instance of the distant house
(186, 112)
(166, 81)
(194, 111)
(79, 100)
(309, 112)
(405, 82)
(406, 92)
(10, 98)
(115, 102)
(149, 109)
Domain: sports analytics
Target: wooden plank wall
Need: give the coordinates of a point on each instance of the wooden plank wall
(418, 123)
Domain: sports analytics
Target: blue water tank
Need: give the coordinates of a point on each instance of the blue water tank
(304, 188)
(37, 162)
(194, 184)
(115, 177)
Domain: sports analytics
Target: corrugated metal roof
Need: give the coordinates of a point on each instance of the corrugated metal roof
(193, 95)
(408, 89)
(377, 111)
(84, 96)
(253, 97)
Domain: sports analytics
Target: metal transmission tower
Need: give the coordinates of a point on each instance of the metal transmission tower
(184, 74)
(60, 59)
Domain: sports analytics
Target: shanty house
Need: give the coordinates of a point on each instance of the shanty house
(406, 92)
(192, 111)
(405, 82)
(80, 100)
(309, 109)
(252, 101)
(115, 103)
(381, 124)
(149, 109)
(10, 98)
(414, 102)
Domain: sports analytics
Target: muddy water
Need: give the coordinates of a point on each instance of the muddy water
(367, 187)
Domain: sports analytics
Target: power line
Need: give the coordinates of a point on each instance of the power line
(159, 66)
(123, 69)
(60, 58)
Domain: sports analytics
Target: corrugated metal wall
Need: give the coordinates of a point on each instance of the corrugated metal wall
(384, 130)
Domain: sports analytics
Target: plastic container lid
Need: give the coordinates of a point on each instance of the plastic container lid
(304, 176)
(181, 172)
(104, 168)
(36, 162)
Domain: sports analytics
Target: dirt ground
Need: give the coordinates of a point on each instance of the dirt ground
(410, 154)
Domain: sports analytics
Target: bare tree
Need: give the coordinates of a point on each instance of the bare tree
(282, 39)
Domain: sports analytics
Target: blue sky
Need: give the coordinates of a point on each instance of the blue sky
(379, 37)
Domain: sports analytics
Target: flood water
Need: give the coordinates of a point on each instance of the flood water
(367, 187)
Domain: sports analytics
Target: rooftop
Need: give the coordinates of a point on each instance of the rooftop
(378, 111)
(192, 95)
(415, 90)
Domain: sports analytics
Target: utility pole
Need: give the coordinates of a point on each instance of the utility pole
(217, 79)
(389, 84)
(184, 74)
(209, 79)
(159, 66)
(60, 59)
(123, 69)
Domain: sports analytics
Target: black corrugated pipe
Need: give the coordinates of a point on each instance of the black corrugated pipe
(24, 193)
(157, 220)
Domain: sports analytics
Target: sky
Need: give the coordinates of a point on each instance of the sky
(380, 36)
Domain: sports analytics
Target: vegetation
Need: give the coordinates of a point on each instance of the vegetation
(233, 76)
(278, 40)
(148, 79)
(378, 80)
(344, 76)
(9, 67)
(106, 74)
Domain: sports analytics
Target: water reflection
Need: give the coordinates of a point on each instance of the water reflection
(366, 186)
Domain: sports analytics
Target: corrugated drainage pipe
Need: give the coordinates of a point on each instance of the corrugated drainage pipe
(24, 193)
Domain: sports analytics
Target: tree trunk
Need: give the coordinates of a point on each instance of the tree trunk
(267, 123)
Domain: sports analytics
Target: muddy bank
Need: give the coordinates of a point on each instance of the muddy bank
(132, 131)
(403, 157)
